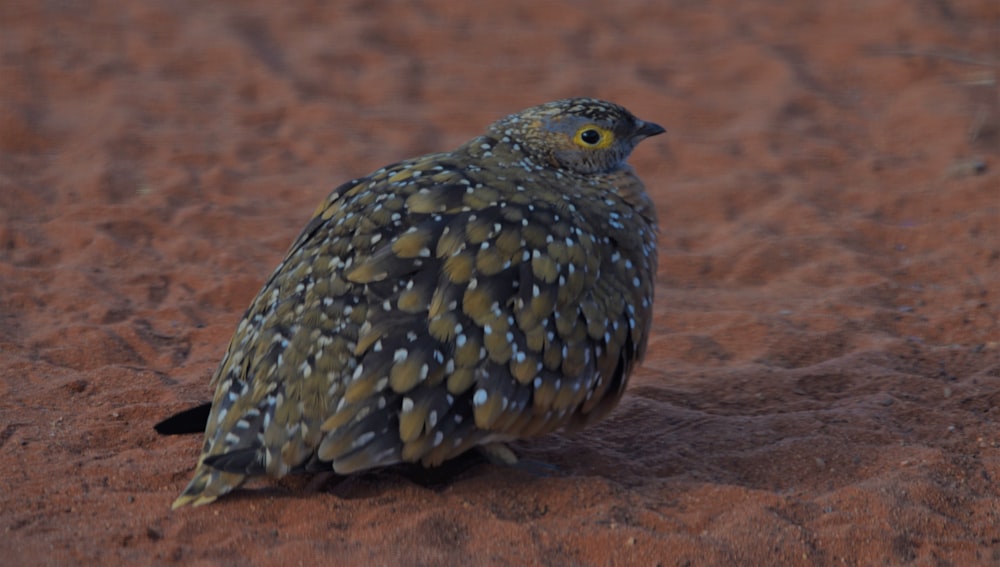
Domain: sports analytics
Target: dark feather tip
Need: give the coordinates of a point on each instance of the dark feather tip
(191, 420)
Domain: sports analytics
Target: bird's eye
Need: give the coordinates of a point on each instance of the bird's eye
(592, 136)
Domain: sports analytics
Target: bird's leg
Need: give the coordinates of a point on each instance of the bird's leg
(498, 454)
(501, 454)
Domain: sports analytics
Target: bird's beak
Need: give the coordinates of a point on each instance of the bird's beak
(647, 129)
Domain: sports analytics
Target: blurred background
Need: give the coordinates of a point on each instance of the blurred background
(821, 384)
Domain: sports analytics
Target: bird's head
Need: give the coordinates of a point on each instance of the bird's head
(582, 135)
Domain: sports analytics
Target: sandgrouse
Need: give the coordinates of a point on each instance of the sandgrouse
(498, 291)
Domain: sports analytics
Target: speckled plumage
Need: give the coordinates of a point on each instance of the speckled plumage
(499, 291)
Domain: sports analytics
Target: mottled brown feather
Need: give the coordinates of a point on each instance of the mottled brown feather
(498, 291)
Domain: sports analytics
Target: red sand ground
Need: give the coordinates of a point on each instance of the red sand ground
(823, 379)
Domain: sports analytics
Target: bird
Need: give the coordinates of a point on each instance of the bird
(458, 300)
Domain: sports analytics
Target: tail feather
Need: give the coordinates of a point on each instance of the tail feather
(207, 485)
(191, 420)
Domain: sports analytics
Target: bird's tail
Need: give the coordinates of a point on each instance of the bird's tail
(208, 484)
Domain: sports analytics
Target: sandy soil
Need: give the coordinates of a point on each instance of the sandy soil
(823, 381)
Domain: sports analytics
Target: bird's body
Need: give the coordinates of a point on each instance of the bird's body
(499, 291)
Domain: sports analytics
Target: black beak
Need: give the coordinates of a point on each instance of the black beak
(647, 129)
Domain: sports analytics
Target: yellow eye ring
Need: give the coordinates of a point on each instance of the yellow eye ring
(593, 137)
